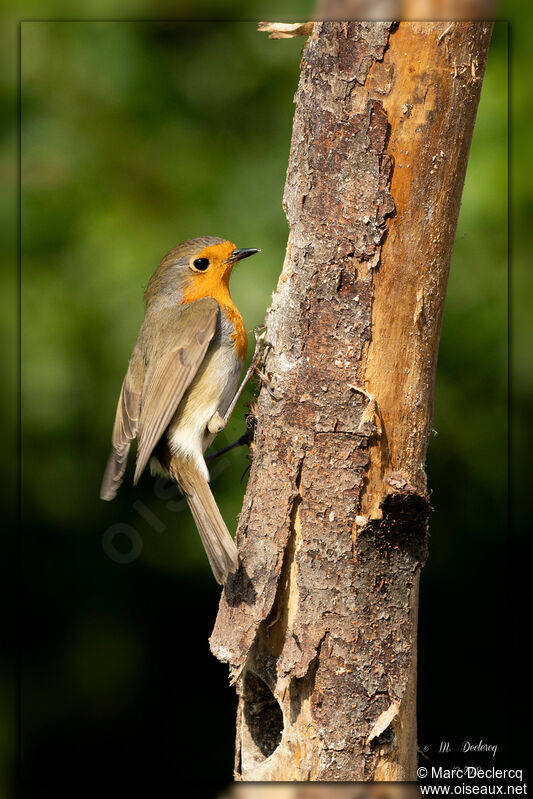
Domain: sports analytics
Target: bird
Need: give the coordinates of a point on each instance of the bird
(182, 383)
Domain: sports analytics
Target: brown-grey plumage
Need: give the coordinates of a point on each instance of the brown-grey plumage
(150, 394)
(183, 370)
(168, 378)
(210, 524)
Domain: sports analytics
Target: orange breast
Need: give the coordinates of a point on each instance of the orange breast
(214, 286)
(239, 336)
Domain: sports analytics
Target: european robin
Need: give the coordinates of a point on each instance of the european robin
(182, 380)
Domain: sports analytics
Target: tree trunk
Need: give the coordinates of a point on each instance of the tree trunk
(319, 625)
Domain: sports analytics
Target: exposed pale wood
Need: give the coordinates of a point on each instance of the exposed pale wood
(285, 30)
(319, 625)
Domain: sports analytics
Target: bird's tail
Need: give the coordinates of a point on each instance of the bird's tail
(217, 541)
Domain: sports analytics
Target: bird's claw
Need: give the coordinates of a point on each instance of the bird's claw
(267, 384)
(259, 332)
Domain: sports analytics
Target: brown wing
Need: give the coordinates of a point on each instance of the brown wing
(125, 428)
(169, 376)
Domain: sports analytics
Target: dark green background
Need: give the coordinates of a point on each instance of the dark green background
(136, 136)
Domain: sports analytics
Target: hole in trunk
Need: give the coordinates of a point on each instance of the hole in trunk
(262, 720)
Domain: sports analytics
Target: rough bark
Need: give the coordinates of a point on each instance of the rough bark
(319, 625)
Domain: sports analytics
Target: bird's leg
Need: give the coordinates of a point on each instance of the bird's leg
(218, 422)
(245, 439)
(266, 382)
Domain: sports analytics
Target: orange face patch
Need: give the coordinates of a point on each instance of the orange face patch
(215, 278)
(217, 254)
(214, 282)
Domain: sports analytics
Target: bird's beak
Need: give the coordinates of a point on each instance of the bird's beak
(238, 255)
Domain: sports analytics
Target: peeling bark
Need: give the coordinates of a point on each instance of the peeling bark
(319, 624)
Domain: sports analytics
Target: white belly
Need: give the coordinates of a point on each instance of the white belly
(212, 390)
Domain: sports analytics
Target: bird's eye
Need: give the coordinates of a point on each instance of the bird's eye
(201, 264)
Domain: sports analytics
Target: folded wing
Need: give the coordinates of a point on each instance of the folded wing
(156, 382)
(170, 375)
(125, 428)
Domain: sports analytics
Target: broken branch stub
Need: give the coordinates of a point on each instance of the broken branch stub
(319, 624)
(285, 30)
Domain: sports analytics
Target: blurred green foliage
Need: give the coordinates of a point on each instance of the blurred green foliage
(154, 134)
(135, 136)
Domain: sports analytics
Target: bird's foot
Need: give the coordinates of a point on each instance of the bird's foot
(265, 380)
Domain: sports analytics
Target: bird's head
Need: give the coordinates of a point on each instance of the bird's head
(196, 268)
